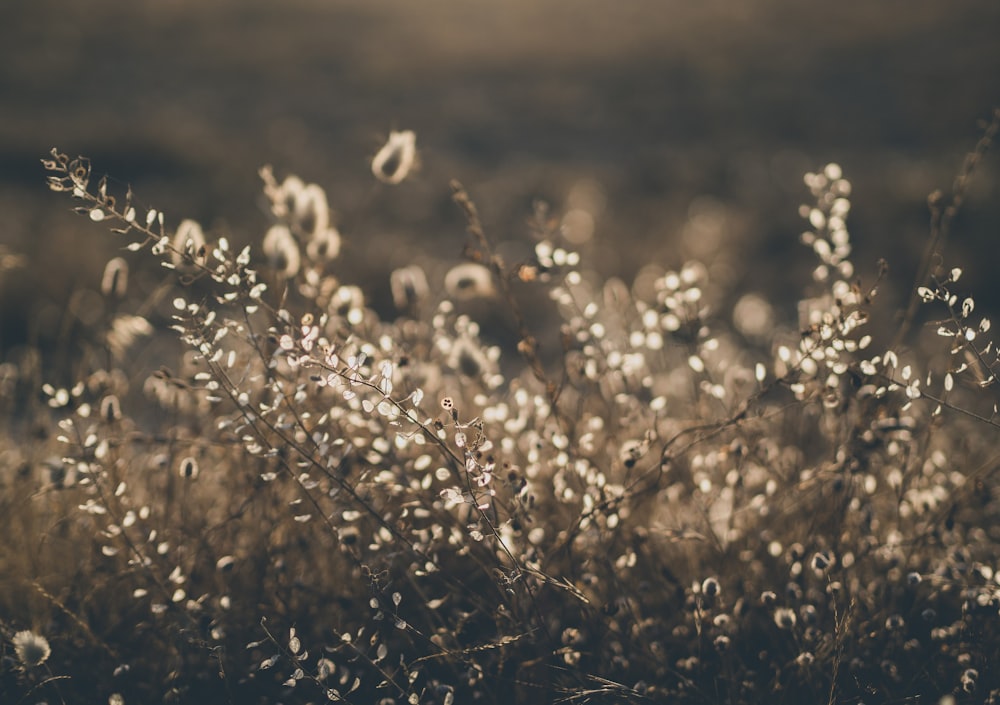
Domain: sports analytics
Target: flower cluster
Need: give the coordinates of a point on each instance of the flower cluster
(629, 494)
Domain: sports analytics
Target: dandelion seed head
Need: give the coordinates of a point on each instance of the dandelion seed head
(32, 649)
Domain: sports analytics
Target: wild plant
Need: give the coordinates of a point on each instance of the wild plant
(317, 501)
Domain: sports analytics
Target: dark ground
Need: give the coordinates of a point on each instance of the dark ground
(674, 108)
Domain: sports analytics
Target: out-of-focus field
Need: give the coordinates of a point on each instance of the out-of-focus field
(695, 120)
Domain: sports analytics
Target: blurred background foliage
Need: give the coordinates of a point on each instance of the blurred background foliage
(685, 126)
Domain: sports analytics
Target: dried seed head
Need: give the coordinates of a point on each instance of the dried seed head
(394, 161)
(31, 649)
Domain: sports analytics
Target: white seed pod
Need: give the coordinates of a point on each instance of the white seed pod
(188, 468)
(394, 161)
(282, 251)
(468, 281)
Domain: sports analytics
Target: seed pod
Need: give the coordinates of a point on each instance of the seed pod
(115, 280)
(394, 161)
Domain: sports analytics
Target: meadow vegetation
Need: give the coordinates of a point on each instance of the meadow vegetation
(254, 487)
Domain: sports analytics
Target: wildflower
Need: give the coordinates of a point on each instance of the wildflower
(468, 281)
(32, 649)
(282, 251)
(393, 162)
